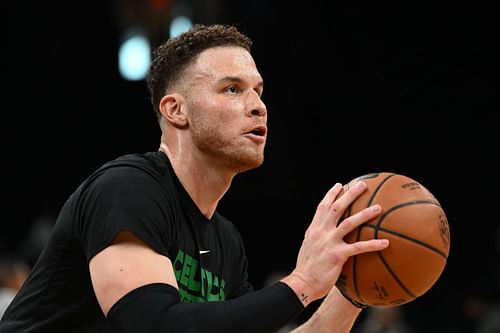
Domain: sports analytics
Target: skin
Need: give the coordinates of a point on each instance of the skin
(213, 128)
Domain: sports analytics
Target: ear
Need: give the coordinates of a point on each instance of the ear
(172, 108)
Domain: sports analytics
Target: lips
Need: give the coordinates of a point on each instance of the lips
(259, 130)
(257, 134)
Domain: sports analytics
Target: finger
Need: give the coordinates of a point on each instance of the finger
(367, 246)
(354, 221)
(331, 195)
(348, 197)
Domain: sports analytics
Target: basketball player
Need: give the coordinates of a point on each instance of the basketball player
(140, 246)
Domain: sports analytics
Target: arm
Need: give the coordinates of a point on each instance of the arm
(126, 265)
(137, 291)
(335, 315)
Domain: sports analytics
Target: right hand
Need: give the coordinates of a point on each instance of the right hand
(323, 251)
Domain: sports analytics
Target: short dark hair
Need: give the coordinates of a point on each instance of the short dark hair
(171, 58)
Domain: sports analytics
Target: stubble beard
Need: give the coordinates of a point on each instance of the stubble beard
(226, 154)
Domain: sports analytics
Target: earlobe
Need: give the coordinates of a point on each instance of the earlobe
(172, 108)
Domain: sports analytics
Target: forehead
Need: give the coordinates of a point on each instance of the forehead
(225, 61)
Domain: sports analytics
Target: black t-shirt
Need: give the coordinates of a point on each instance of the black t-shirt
(138, 193)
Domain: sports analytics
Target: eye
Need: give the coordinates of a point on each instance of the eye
(232, 89)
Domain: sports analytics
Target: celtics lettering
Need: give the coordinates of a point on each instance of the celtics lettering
(196, 284)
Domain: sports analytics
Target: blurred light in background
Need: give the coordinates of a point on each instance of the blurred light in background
(134, 57)
(179, 25)
(144, 25)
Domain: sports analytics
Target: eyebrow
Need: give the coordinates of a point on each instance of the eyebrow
(237, 79)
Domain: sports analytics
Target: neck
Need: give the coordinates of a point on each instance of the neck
(206, 184)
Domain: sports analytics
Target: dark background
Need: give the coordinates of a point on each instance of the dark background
(351, 88)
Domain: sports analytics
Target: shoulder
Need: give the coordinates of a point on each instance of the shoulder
(127, 168)
(133, 176)
(152, 163)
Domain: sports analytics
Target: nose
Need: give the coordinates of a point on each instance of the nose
(255, 105)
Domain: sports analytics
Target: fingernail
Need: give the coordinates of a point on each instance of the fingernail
(360, 185)
(376, 208)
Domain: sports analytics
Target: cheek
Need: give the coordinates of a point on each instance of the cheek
(208, 122)
(217, 114)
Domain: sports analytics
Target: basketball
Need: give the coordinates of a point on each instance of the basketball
(416, 226)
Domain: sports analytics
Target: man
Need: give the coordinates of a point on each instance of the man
(140, 247)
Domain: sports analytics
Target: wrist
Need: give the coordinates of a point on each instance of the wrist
(301, 288)
(335, 311)
(355, 303)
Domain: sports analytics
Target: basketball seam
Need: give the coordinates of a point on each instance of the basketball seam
(413, 240)
(395, 276)
(378, 227)
(354, 260)
(378, 189)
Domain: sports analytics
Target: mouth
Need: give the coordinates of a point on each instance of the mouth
(257, 134)
(258, 131)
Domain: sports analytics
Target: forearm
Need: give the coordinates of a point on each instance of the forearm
(335, 315)
(156, 308)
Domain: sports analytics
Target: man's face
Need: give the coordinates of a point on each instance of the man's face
(227, 118)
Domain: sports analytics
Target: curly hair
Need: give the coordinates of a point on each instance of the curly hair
(171, 58)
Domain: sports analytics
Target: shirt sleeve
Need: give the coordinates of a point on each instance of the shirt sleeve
(125, 199)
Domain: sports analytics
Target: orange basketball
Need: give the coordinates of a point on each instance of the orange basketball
(417, 228)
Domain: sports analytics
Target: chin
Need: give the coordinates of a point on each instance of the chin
(249, 163)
